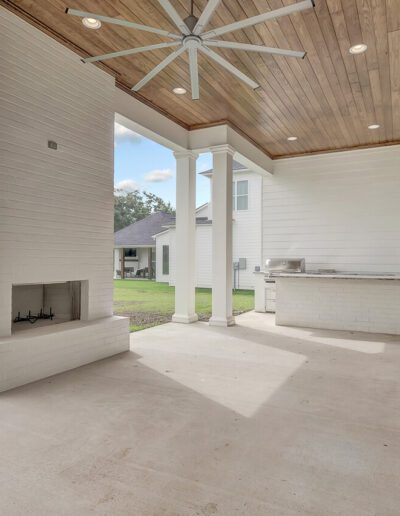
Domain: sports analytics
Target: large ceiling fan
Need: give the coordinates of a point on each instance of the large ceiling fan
(194, 39)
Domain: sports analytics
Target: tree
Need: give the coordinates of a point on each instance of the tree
(133, 206)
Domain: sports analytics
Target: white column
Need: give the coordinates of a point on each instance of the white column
(222, 236)
(185, 247)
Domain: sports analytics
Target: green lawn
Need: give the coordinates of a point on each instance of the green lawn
(148, 303)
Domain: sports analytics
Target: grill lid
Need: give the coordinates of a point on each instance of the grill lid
(285, 265)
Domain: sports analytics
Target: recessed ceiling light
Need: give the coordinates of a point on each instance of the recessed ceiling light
(292, 138)
(374, 126)
(179, 91)
(91, 23)
(358, 49)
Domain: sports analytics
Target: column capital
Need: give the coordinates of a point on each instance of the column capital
(185, 154)
(225, 148)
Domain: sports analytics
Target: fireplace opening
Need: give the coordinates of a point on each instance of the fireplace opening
(45, 304)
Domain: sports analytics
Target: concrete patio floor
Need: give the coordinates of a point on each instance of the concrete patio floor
(250, 420)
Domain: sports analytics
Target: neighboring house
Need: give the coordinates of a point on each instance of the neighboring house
(247, 230)
(134, 246)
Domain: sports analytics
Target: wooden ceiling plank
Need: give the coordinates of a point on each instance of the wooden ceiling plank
(282, 84)
(313, 101)
(393, 14)
(368, 34)
(394, 53)
(382, 49)
(340, 27)
(277, 86)
(315, 59)
(288, 88)
(328, 32)
(354, 30)
(329, 114)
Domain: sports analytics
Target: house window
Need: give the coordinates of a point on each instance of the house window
(240, 195)
(130, 253)
(165, 259)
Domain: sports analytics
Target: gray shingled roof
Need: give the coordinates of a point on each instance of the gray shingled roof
(141, 232)
(236, 167)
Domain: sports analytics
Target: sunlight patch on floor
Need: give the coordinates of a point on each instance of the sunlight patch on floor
(236, 373)
(353, 341)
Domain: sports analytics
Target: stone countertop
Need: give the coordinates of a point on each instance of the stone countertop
(339, 275)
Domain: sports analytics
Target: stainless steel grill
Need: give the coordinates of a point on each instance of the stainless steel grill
(289, 265)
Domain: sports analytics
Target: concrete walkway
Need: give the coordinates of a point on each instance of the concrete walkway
(250, 420)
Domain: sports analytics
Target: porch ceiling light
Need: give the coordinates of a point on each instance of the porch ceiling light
(374, 126)
(358, 49)
(179, 91)
(292, 138)
(91, 23)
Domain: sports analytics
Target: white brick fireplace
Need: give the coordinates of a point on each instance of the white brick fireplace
(56, 208)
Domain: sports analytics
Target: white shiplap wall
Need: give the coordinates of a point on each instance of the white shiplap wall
(247, 228)
(339, 210)
(56, 207)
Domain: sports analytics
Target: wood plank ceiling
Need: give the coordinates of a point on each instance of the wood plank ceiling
(327, 100)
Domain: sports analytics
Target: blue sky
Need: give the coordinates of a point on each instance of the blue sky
(140, 163)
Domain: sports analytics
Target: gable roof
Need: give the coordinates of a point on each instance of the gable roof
(141, 233)
(236, 167)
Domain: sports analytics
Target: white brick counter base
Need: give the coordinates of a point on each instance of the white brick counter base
(42, 352)
(370, 305)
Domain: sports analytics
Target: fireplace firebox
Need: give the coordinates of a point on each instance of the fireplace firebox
(37, 305)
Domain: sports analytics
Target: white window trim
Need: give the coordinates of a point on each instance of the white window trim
(235, 195)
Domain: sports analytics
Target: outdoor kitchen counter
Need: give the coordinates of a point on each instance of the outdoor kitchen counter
(356, 302)
(338, 275)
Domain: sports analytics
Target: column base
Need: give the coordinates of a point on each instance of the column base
(222, 321)
(185, 319)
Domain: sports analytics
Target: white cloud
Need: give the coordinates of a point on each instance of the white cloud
(127, 186)
(158, 176)
(123, 134)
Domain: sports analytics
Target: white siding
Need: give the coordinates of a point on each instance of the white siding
(162, 239)
(143, 256)
(203, 256)
(203, 211)
(247, 229)
(339, 210)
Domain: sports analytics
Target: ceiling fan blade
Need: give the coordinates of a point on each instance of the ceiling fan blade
(194, 73)
(172, 13)
(271, 15)
(255, 48)
(124, 23)
(206, 15)
(130, 51)
(156, 70)
(228, 66)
